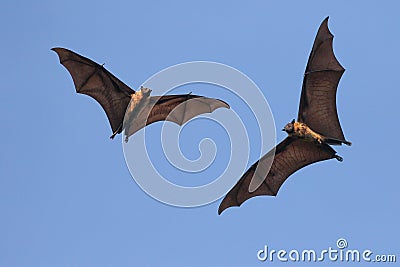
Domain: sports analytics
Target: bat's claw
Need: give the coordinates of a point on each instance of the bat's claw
(339, 158)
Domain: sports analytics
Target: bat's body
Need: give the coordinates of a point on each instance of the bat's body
(309, 138)
(302, 131)
(139, 101)
(125, 108)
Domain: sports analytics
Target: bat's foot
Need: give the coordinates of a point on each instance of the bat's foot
(339, 158)
(338, 142)
(347, 143)
(116, 131)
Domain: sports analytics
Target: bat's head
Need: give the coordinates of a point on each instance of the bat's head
(289, 128)
(145, 91)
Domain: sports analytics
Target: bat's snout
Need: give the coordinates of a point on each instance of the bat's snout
(145, 90)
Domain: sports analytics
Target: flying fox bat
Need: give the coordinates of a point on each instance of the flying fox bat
(309, 138)
(126, 109)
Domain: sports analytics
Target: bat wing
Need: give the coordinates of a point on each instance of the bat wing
(175, 108)
(291, 155)
(318, 96)
(94, 80)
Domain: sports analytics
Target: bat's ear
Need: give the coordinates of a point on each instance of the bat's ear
(292, 121)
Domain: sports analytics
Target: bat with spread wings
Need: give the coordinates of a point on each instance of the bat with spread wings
(309, 138)
(126, 109)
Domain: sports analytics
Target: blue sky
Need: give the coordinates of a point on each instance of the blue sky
(67, 197)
